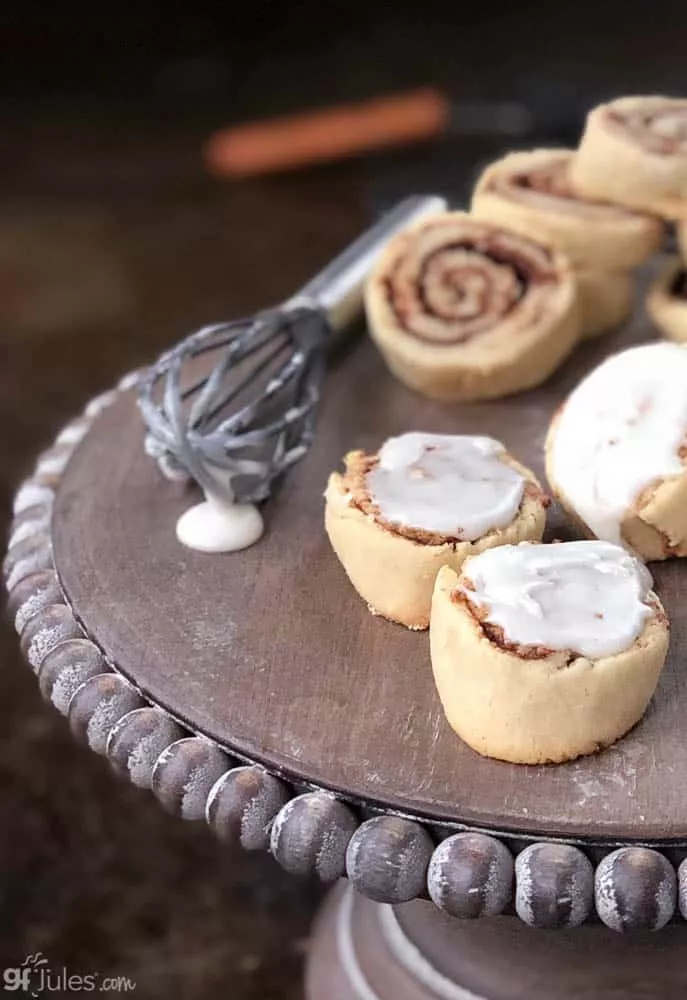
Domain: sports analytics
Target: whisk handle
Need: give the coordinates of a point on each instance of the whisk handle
(338, 289)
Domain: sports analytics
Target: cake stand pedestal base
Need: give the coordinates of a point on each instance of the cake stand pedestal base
(368, 951)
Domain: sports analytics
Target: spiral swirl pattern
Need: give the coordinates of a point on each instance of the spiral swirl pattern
(541, 180)
(659, 129)
(454, 279)
(633, 152)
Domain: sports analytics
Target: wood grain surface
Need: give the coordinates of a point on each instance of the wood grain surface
(273, 654)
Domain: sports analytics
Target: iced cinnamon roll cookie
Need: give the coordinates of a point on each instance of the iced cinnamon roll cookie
(462, 309)
(542, 653)
(616, 449)
(634, 152)
(423, 501)
(666, 302)
(531, 193)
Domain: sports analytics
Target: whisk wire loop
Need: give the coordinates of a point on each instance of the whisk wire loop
(233, 406)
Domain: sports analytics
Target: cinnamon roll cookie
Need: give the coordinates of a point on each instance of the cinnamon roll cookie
(394, 518)
(634, 152)
(681, 234)
(462, 309)
(542, 653)
(606, 299)
(667, 300)
(531, 193)
(616, 450)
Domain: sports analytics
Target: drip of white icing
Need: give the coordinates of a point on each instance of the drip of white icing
(217, 526)
(619, 432)
(588, 597)
(453, 485)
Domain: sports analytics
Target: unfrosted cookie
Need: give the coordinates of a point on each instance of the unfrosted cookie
(634, 152)
(394, 518)
(462, 309)
(542, 653)
(606, 299)
(681, 234)
(531, 193)
(615, 451)
(666, 302)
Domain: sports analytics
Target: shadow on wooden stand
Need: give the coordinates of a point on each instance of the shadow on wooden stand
(369, 951)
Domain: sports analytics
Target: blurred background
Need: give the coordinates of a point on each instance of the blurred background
(116, 241)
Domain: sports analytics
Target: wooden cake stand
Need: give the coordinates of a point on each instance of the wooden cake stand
(256, 690)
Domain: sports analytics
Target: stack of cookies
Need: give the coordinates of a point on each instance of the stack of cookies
(667, 299)
(486, 304)
(532, 193)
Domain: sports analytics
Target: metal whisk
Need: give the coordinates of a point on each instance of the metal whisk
(233, 405)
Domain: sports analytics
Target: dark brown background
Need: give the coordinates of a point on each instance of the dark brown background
(113, 244)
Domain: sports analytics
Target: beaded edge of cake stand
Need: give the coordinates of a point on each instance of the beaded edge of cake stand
(388, 857)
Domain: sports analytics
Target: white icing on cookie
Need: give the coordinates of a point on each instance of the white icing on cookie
(588, 597)
(452, 485)
(619, 432)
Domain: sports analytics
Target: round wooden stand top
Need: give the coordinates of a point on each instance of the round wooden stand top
(272, 654)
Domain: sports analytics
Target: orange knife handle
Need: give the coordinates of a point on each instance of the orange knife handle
(315, 137)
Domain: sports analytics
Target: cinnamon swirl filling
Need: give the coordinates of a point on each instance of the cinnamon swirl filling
(549, 189)
(662, 131)
(454, 281)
